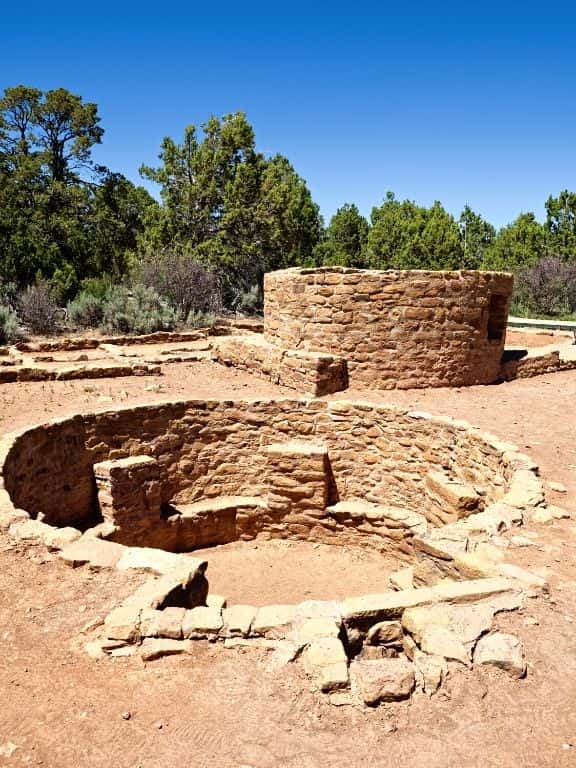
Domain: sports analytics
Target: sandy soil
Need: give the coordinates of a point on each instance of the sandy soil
(518, 339)
(228, 708)
(263, 572)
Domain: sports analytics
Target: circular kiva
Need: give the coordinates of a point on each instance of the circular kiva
(112, 489)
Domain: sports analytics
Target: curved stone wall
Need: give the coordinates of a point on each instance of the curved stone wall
(395, 329)
(439, 468)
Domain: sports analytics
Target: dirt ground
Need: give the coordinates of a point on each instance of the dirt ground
(227, 708)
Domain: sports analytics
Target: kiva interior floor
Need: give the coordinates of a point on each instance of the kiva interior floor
(261, 572)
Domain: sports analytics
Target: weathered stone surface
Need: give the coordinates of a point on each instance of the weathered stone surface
(381, 320)
(216, 601)
(325, 659)
(501, 650)
(149, 559)
(123, 623)
(169, 623)
(93, 552)
(441, 641)
(430, 671)
(385, 633)
(309, 630)
(402, 579)
(155, 648)
(202, 621)
(548, 514)
(273, 620)
(237, 620)
(391, 605)
(526, 490)
(383, 680)
(453, 498)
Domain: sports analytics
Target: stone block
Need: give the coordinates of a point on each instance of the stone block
(123, 623)
(501, 650)
(237, 620)
(93, 552)
(156, 648)
(201, 622)
(273, 621)
(383, 680)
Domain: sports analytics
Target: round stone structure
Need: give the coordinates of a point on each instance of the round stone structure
(395, 328)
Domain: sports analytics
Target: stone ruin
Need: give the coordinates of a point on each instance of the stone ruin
(142, 488)
(331, 327)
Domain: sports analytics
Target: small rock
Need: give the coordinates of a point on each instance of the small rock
(430, 671)
(385, 633)
(126, 715)
(501, 650)
(520, 541)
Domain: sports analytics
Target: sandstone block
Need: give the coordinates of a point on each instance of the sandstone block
(155, 648)
(501, 650)
(326, 661)
(202, 621)
(384, 679)
(123, 623)
(273, 620)
(237, 620)
(93, 552)
(430, 671)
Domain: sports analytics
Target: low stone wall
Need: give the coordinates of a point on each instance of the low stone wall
(310, 373)
(205, 450)
(395, 329)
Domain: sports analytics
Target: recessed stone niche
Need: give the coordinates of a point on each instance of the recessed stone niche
(113, 489)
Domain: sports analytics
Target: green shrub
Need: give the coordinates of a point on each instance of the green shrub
(138, 311)
(250, 302)
(186, 284)
(8, 325)
(86, 311)
(99, 287)
(38, 310)
(198, 319)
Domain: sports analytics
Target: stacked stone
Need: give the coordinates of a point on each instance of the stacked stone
(312, 373)
(206, 450)
(129, 497)
(395, 329)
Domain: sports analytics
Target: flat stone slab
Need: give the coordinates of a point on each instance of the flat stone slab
(155, 648)
(96, 553)
(149, 559)
(391, 605)
(326, 661)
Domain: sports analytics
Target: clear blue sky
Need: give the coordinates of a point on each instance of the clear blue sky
(462, 102)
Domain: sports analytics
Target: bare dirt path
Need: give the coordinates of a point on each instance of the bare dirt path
(228, 708)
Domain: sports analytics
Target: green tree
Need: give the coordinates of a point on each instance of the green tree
(62, 217)
(408, 236)
(518, 245)
(561, 224)
(346, 239)
(477, 237)
(228, 206)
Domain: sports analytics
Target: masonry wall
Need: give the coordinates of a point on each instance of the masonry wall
(396, 329)
(209, 449)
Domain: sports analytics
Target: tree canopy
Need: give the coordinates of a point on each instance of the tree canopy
(65, 219)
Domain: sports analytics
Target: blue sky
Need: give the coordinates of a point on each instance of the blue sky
(466, 103)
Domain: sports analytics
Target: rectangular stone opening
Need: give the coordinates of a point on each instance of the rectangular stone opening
(497, 317)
